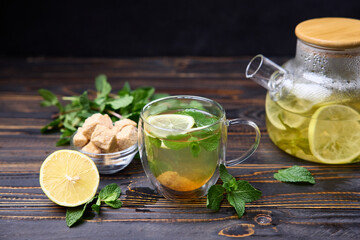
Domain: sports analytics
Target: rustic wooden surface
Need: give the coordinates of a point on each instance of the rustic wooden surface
(327, 210)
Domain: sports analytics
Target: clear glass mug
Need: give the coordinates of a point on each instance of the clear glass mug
(184, 165)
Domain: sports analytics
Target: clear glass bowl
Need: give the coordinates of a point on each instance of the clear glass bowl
(109, 163)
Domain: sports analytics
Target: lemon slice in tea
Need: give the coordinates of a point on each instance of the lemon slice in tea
(169, 124)
(69, 178)
(295, 105)
(334, 134)
(274, 113)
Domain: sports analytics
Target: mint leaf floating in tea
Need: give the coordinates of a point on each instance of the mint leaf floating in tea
(295, 174)
(237, 192)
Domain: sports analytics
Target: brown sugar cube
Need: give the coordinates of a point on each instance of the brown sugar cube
(91, 148)
(91, 122)
(79, 139)
(106, 121)
(104, 139)
(123, 123)
(126, 137)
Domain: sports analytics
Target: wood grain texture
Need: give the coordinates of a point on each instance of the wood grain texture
(337, 33)
(327, 210)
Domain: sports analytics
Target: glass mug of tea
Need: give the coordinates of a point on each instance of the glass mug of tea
(182, 142)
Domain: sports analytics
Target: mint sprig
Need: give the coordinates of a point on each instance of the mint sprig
(237, 193)
(295, 174)
(126, 104)
(109, 195)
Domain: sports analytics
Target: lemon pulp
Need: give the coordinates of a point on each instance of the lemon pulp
(69, 178)
(168, 124)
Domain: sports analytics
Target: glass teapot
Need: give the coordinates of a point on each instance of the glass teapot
(313, 100)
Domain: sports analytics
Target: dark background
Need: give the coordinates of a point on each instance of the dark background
(137, 28)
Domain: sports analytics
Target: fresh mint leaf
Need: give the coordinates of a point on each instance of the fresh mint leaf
(110, 192)
(74, 214)
(126, 88)
(50, 99)
(141, 97)
(102, 86)
(237, 203)
(114, 204)
(295, 174)
(53, 125)
(214, 197)
(101, 103)
(246, 192)
(121, 102)
(68, 125)
(224, 174)
(84, 101)
(96, 207)
(230, 185)
(62, 142)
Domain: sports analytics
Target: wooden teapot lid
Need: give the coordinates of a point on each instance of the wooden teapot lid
(337, 33)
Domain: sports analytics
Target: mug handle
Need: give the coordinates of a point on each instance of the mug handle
(252, 149)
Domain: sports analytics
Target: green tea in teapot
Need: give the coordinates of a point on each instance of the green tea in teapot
(327, 133)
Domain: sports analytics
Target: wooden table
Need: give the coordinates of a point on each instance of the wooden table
(327, 210)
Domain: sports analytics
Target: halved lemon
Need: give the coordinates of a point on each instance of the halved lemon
(274, 112)
(334, 134)
(169, 124)
(69, 178)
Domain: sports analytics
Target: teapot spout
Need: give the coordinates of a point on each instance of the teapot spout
(269, 75)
